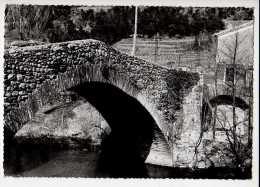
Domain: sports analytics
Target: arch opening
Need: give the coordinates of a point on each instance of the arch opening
(228, 100)
(221, 100)
(125, 149)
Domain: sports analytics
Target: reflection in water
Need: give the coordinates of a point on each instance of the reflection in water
(47, 161)
(44, 161)
(123, 162)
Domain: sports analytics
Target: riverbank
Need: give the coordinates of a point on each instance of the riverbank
(74, 124)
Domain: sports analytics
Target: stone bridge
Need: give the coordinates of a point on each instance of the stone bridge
(135, 97)
(220, 86)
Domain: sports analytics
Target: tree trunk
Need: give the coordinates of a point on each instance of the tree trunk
(216, 108)
(234, 93)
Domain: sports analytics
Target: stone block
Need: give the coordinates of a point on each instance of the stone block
(15, 93)
(10, 76)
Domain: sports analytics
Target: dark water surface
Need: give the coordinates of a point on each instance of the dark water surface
(47, 161)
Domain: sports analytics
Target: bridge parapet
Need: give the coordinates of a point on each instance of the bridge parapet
(36, 76)
(31, 69)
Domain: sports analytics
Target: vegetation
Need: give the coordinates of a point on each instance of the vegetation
(110, 24)
(64, 23)
(233, 122)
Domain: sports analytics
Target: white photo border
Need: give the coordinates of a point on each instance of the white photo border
(10, 181)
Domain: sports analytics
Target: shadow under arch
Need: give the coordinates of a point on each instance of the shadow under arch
(132, 128)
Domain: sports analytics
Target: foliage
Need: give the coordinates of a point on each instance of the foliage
(64, 23)
(110, 24)
(233, 123)
(236, 13)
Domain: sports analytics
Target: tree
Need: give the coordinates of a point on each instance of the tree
(232, 54)
(62, 23)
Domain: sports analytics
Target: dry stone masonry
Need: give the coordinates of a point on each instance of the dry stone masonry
(36, 76)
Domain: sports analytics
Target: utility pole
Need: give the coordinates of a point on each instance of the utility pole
(135, 31)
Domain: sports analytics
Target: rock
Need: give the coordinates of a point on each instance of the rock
(22, 85)
(15, 93)
(7, 94)
(201, 164)
(56, 48)
(24, 97)
(19, 77)
(21, 92)
(8, 88)
(140, 84)
(10, 76)
(70, 45)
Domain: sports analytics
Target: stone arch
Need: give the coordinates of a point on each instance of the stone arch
(134, 139)
(228, 100)
(221, 100)
(132, 127)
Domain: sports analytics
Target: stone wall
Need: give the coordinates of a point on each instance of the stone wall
(188, 129)
(39, 75)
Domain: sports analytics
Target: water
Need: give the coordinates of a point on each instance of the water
(46, 161)
(68, 163)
